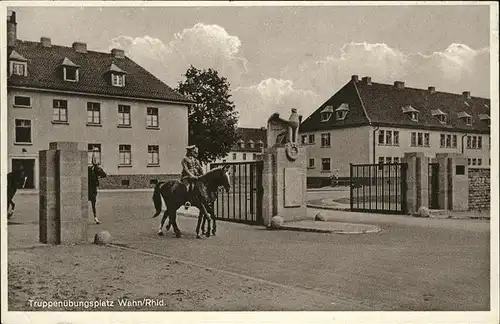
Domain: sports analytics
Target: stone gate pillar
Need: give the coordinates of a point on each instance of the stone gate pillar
(63, 202)
(417, 181)
(284, 173)
(453, 181)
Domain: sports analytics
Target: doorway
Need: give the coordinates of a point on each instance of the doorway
(29, 168)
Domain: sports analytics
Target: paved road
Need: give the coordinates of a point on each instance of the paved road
(414, 264)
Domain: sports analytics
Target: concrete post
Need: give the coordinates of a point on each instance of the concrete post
(453, 181)
(417, 181)
(63, 194)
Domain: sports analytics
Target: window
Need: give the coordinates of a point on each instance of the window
(251, 144)
(152, 117)
(123, 115)
(303, 139)
(93, 113)
(448, 140)
(244, 156)
(325, 116)
(234, 156)
(125, 155)
(311, 163)
(341, 114)
(442, 118)
(60, 110)
(388, 159)
(70, 73)
(381, 137)
(474, 142)
(153, 155)
(474, 161)
(21, 101)
(420, 139)
(94, 151)
(125, 182)
(468, 121)
(468, 161)
(325, 140)
(254, 156)
(23, 131)
(426, 139)
(18, 68)
(381, 160)
(395, 159)
(454, 141)
(118, 80)
(413, 116)
(325, 164)
(311, 139)
(479, 161)
(388, 137)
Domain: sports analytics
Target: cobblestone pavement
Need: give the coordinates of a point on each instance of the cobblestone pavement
(413, 264)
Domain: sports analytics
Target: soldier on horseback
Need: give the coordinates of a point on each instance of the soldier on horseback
(191, 170)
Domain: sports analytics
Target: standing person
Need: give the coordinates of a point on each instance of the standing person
(191, 170)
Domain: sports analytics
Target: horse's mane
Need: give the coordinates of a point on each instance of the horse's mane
(210, 174)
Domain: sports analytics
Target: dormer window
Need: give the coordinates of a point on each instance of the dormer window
(440, 115)
(241, 144)
(18, 64)
(70, 70)
(326, 114)
(341, 111)
(411, 112)
(260, 144)
(251, 144)
(485, 118)
(465, 117)
(117, 76)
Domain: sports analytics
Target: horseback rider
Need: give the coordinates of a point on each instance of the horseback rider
(191, 170)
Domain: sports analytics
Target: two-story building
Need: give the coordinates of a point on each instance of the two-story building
(368, 122)
(248, 148)
(131, 122)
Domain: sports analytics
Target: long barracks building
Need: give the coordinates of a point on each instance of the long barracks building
(136, 125)
(368, 122)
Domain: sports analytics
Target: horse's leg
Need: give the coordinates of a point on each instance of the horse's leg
(203, 231)
(173, 221)
(200, 214)
(207, 216)
(11, 204)
(160, 229)
(212, 213)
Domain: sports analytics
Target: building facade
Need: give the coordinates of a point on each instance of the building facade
(248, 148)
(129, 121)
(367, 122)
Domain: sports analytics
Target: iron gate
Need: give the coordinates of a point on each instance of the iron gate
(379, 188)
(243, 203)
(433, 185)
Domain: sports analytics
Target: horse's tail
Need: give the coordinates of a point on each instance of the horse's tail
(157, 200)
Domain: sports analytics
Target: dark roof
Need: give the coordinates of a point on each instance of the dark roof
(44, 71)
(380, 104)
(247, 135)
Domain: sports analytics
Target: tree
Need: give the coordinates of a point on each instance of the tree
(212, 119)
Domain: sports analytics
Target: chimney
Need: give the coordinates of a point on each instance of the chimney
(355, 78)
(80, 47)
(45, 41)
(431, 90)
(399, 84)
(367, 80)
(118, 53)
(466, 94)
(11, 30)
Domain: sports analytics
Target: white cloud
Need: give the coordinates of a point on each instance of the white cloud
(204, 46)
(256, 103)
(455, 69)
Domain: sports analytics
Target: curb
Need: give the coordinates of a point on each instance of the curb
(315, 230)
(329, 207)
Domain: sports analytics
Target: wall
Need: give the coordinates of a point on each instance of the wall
(348, 145)
(479, 189)
(172, 135)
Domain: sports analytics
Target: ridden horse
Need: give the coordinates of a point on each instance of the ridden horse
(203, 196)
(15, 180)
(95, 172)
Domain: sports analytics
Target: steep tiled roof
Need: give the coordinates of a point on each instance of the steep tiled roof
(248, 135)
(44, 71)
(383, 105)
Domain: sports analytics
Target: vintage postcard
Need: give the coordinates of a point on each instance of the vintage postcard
(222, 162)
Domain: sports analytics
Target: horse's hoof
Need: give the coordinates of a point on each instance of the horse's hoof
(198, 236)
(160, 233)
(207, 234)
(178, 235)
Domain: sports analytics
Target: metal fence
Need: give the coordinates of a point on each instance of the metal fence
(379, 188)
(243, 203)
(433, 185)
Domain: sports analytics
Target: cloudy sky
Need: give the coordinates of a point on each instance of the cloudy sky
(280, 57)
